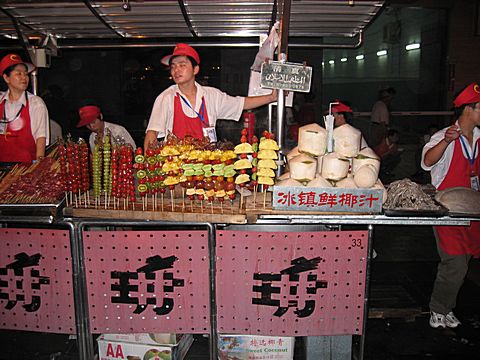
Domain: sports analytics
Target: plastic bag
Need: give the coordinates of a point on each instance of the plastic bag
(267, 49)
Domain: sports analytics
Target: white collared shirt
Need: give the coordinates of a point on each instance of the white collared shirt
(439, 170)
(117, 133)
(39, 120)
(219, 105)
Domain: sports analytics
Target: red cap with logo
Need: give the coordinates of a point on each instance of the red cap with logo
(341, 107)
(14, 59)
(88, 114)
(183, 50)
(470, 95)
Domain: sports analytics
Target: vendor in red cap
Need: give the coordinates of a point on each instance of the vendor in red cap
(452, 157)
(24, 123)
(91, 116)
(343, 114)
(188, 108)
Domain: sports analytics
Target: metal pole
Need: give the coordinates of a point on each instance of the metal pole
(80, 293)
(34, 82)
(361, 348)
(213, 339)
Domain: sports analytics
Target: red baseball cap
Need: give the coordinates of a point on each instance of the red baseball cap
(14, 59)
(88, 114)
(341, 107)
(181, 49)
(469, 95)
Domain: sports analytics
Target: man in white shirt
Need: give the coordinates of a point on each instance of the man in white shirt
(452, 157)
(380, 117)
(190, 109)
(91, 116)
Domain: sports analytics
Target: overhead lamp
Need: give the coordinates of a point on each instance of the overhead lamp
(126, 5)
(343, 59)
(331, 62)
(382, 53)
(323, 63)
(359, 57)
(412, 46)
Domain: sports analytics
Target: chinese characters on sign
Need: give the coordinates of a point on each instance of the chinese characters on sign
(36, 292)
(156, 280)
(299, 268)
(353, 200)
(20, 281)
(292, 283)
(147, 275)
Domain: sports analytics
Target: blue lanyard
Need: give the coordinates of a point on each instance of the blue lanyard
(472, 159)
(202, 109)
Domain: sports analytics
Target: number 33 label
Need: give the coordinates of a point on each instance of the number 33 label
(356, 242)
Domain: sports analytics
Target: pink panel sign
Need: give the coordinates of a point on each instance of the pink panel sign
(148, 281)
(36, 292)
(291, 283)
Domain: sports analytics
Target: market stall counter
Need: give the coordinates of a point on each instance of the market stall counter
(184, 240)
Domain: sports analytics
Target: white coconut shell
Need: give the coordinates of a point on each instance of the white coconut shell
(303, 168)
(366, 157)
(365, 176)
(379, 185)
(319, 182)
(334, 167)
(289, 182)
(292, 153)
(347, 140)
(347, 183)
(312, 139)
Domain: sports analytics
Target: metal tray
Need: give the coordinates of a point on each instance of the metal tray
(464, 215)
(415, 213)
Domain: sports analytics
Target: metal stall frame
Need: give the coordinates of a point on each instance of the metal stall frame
(86, 348)
(335, 222)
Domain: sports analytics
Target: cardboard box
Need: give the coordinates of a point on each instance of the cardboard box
(253, 347)
(146, 338)
(116, 350)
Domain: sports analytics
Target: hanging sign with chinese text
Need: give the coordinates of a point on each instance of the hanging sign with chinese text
(36, 292)
(368, 201)
(291, 283)
(148, 281)
(286, 76)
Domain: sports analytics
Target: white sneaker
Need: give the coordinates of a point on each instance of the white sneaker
(451, 320)
(437, 320)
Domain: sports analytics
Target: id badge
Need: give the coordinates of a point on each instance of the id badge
(210, 133)
(474, 182)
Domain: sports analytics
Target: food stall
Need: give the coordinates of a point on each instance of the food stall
(189, 249)
(179, 238)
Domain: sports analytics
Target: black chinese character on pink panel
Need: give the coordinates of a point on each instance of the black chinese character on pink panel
(20, 278)
(285, 296)
(128, 285)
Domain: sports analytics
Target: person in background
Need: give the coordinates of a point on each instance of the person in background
(188, 108)
(24, 128)
(389, 152)
(343, 114)
(380, 116)
(91, 116)
(452, 158)
(55, 131)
